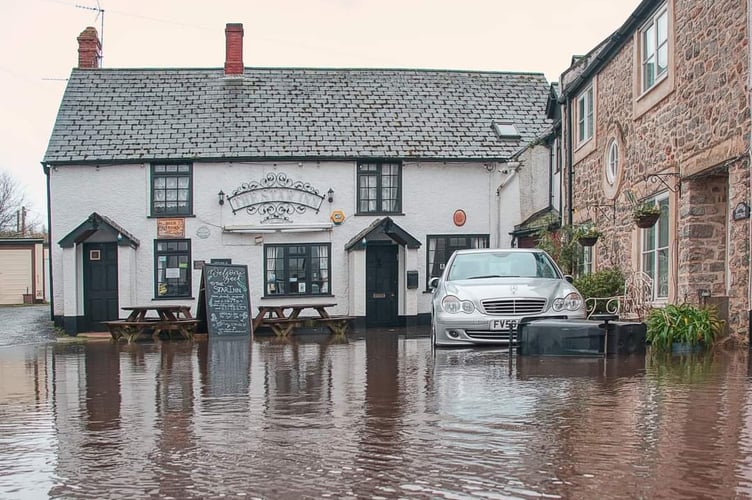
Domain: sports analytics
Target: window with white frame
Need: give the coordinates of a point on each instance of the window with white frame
(655, 251)
(612, 162)
(585, 116)
(654, 54)
(297, 269)
(441, 247)
(585, 261)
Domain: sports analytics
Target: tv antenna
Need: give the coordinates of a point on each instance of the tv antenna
(100, 15)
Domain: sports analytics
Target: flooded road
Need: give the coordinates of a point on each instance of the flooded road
(377, 415)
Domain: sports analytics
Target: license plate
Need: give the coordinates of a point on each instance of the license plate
(503, 324)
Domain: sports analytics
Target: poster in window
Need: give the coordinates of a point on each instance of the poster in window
(172, 272)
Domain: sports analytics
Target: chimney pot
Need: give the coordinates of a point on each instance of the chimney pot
(89, 49)
(233, 49)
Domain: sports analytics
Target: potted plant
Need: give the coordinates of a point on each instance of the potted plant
(646, 214)
(587, 235)
(683, 327)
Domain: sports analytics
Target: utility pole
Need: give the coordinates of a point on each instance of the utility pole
(23, 222)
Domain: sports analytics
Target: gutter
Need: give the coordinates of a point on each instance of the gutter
(615, 42)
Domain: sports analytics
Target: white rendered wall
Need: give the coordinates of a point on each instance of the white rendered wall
(431, 193)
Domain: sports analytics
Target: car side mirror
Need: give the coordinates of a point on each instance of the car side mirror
(433, 283)
(569, 278)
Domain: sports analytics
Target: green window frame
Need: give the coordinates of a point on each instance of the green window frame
(441, 246)
(171, 190)
(297, 269)
(379, 188)
(585, 116)
(172, 268)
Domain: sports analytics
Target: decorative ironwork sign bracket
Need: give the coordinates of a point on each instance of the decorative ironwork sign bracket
(674, 187)
(275, 197)
(605, 210)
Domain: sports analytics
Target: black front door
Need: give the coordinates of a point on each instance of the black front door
(381, 285)
(100, 285)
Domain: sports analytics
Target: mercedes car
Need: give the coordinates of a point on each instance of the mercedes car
(483, 295)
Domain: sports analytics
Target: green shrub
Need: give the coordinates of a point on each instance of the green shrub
(683, 323)
(603, 283)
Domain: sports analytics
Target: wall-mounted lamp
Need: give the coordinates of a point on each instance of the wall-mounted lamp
(330, 195)
(221, 196)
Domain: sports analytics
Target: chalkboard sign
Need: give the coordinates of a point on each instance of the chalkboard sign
(224, 304)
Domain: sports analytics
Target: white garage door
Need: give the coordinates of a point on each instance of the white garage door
(15, 275)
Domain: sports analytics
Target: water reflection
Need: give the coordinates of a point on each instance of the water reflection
(376, 415)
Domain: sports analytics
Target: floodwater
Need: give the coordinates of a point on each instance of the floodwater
(378, 415)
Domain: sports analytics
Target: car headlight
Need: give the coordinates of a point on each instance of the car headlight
(453, 305)
(572, 302)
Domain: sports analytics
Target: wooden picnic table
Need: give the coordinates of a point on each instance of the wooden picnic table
(284, 318)
(156, 317)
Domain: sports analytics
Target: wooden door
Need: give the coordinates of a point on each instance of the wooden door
(381, 285)
(100, 285)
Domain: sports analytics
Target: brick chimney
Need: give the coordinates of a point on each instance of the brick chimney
(89, 49)
(233, 49)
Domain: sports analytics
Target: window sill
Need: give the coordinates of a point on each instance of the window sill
(171, 216)
(176, 297)
(378, 213)
(296, 296)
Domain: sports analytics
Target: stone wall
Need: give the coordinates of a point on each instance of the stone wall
(701, 131)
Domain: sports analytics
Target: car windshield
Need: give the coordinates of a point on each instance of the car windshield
(501, 265)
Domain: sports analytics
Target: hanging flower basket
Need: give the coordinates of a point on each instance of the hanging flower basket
(587, 241)
(647, 221)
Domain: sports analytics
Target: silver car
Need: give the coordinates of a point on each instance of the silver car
(483, 294)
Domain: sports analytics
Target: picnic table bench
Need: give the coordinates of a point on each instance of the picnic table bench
(282, 327)
(169, 319)
(282, 323)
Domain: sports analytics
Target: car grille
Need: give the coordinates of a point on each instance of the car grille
(514, 306)
(497, 335)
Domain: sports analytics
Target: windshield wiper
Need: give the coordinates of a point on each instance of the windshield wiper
(489, 276)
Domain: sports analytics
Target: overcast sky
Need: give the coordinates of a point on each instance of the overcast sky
(40, 49)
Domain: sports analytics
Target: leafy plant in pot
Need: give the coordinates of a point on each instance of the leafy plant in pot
(683, 324)
(646, 214)
(587, 235)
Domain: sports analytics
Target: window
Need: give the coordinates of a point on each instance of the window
(655, 256)
(171, 187)
(585, 261)
(297, 269)
(585, 116)
(172, 270)
(654, 40)
(379, 188)
(440, 248)
(612, 162)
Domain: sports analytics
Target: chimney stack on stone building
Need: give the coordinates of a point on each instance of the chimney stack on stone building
(233, 49)
(89, 49)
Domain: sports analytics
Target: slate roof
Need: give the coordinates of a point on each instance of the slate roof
(136, 115)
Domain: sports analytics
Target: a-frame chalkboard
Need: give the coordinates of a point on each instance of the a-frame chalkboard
(224, 303)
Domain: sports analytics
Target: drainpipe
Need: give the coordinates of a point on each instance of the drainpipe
(46, 169)
(513, 167)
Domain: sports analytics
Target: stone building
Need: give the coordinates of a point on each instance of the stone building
(350, 186)
(659, 112)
